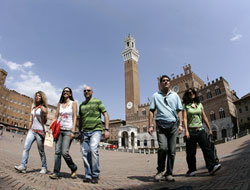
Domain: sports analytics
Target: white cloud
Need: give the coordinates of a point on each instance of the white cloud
(236, 35)
(28, 64)
(236, 38)
(15, 66)
(80, 88)
(31, 83)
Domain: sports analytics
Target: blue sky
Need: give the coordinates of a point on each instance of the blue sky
(49, 44)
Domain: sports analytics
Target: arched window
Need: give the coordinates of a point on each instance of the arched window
(224, 133)
(222, 113)
(145, 142)
(144, 129)
(144, 112)
(177, 140)
(138, 142)
(212, 116)
(200, 97)
(215, 135)
(217, 90)
(209, 94)
(152, 143)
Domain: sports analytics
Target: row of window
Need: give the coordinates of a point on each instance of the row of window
(15, 101)
(209, 94)
(246, 109)
(13, 123)
(13, 117)
(221, 114)
(13, 109)
(248, 119)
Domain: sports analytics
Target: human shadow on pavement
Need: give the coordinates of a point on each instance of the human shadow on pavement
(234, 170)
(33, 171)
(142, 178)
(168, 188)
(68, 175)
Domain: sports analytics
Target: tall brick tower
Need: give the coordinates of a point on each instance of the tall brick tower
(132, 92)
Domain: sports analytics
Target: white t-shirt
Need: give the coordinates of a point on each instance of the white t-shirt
(66, 117)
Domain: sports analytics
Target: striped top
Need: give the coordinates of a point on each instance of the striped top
(90, 114)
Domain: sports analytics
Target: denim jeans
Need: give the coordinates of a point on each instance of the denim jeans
(166, 136)
(90, 153)
(31, 137)
(191, 146)
(62, 149)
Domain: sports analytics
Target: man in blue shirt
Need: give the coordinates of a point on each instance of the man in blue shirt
(168, 106)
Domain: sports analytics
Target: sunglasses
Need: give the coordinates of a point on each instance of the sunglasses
(165, 80)
(87, 90)
(66, 91)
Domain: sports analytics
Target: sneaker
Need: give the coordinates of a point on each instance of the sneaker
(215, 169)
(86, 180)
(20, 168)
(73, 174)
(159, 176)
(53, 176)
(95, 180)
(190, 174)
(43, 171)
(170, 178)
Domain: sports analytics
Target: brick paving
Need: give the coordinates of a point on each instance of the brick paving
(124, 171)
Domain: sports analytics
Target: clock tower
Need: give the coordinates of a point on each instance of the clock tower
(132, 93)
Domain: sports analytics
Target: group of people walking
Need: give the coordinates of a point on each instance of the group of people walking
(172, 115)
(90, 125)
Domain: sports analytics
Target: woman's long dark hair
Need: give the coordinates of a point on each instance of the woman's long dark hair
(187, 97)
(62, 98)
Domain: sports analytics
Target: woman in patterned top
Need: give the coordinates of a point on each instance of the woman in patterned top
(36, 132)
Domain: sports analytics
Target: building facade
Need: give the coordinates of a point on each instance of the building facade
(243, 112)
(216, 97)
(15, 108)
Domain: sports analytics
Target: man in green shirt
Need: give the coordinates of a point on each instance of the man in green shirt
(90, 124)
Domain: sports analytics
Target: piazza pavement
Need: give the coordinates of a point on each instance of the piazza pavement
(122, 170)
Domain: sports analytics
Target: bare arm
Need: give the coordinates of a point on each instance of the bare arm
(74, 116)
(150, 122)
(185, 124)
(45, 114)
(106, 120)
(206, 122)
(44, 109)
(180, 129)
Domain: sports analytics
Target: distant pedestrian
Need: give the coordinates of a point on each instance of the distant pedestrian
(169, 110)
(91, 127)
(194, 132)
(66, 113)
(36, 133)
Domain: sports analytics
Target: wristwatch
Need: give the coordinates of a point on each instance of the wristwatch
(106, 129)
